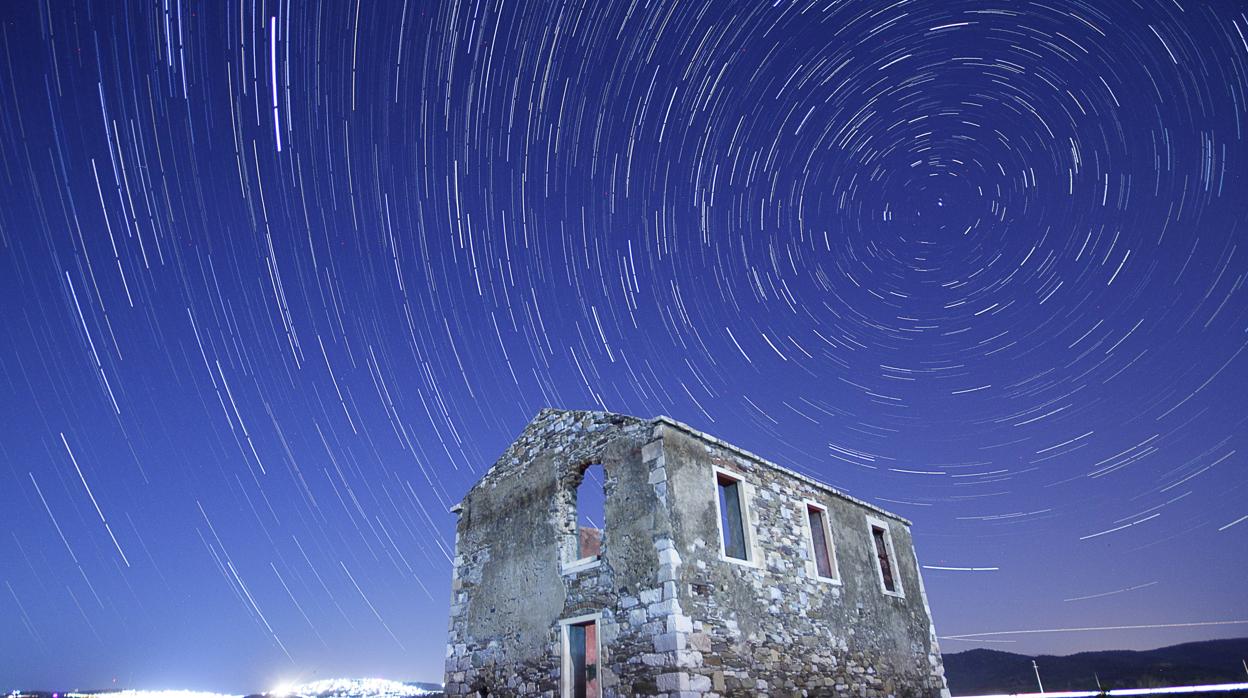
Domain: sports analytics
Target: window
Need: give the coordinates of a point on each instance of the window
(733, 517)
(580, 658)
(586, 512)
(881, 552)
(886, 565)
(590, 512)
(819, 533)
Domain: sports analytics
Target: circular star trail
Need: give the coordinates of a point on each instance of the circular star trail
(280, 280)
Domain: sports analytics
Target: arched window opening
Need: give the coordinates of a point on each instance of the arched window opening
(591, 504)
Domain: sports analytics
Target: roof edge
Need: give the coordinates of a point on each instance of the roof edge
(698, 434)
(664, 419)
(542, 413)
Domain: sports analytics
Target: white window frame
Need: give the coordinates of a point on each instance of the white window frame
(812, 564)
(745, 491)
(581, 565)
(874, 523)
(565, 654)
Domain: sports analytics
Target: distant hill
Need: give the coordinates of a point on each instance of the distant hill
(980, 671)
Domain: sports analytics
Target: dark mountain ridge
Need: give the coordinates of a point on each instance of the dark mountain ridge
(983, 671)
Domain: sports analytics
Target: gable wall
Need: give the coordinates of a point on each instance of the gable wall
(509, 589)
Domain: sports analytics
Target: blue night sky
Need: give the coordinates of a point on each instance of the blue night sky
(280, 279)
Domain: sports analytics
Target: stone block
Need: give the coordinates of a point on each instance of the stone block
(669, 590)
(652, 450)
(679, 624)
(664, 608)
(654, 659)
(688, 658)
(668, 573)
(669, 556)
(669, 642)
(674, 681)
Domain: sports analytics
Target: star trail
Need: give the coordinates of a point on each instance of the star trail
(280, 279)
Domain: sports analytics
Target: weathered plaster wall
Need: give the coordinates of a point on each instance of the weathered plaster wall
(773, 628)
(509, 590)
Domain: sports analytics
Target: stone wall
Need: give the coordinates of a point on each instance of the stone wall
(772, 627)
(675, 619)
(516, 528)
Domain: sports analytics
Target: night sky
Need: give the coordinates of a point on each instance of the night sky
(279, 280)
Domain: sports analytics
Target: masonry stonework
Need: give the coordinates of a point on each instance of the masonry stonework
(673, 615)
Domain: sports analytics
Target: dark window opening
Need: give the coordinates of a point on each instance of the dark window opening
(730, 517)
(591, 502)
(583, 660)
(819, 539)
(881, 553)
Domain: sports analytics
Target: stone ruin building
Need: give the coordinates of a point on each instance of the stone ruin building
(708, 572)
